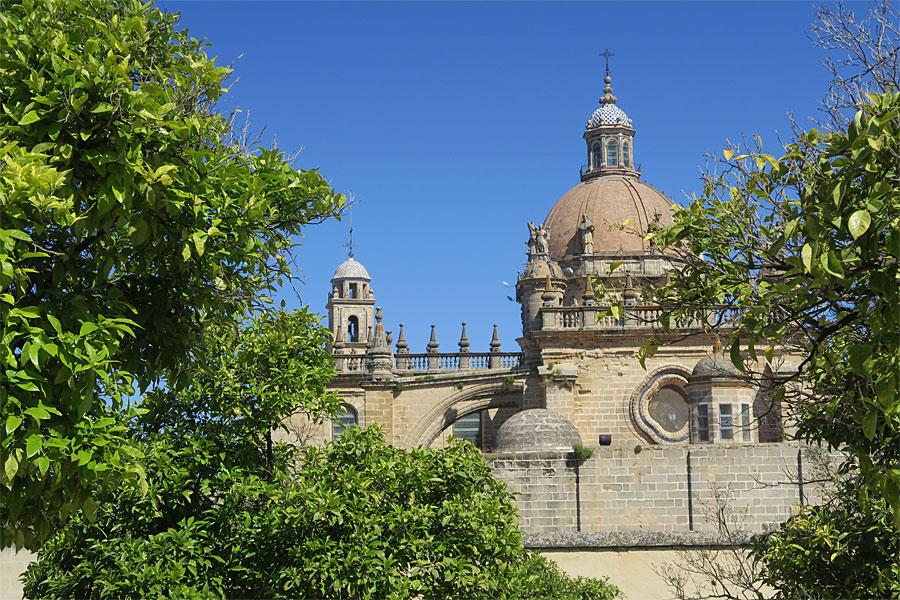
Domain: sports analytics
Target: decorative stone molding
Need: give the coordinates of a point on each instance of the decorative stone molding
(639, 405)
(467, 401)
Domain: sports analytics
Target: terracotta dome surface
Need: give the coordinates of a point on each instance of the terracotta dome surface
(536, 429)
(608, 199)
(351, 269)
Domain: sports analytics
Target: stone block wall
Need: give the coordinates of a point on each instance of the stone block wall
(749, 487)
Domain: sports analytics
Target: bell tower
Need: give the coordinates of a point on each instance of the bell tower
(351, 305)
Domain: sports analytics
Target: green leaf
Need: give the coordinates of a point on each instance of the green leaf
(37, 413)
(869, 423)
(12, 423)
(43, 464)
(29, 118)
(11, 466)
(858, 223)
(33, 445)
(831, 264)
(807, 254)
(186, 252)
(736, 359)
(90, 509)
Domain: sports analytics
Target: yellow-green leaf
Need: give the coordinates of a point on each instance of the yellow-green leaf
(30, 117)
(859, 222)
(12, 423)
(11, 466)
(33, 445)
(807, 253)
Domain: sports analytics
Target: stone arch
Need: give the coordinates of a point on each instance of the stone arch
(641, 421)
(464, 402)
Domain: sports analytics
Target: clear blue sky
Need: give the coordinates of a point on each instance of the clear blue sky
(454, 124)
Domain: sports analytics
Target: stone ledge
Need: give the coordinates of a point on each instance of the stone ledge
(613, 540)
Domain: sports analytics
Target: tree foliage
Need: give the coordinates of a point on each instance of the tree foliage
(837, 550)
(796, 258)
(133, 215)
(804, 250)
(232, 512)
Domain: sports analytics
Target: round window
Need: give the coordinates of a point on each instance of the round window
(669, 408)
(659, 408)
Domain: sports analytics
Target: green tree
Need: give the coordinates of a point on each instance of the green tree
(133, 214)
(230, 512)
(797, 257)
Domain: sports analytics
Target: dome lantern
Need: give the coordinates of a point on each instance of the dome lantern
(609, 136)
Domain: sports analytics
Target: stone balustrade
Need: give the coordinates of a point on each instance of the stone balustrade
(434, 361)
(635, 317)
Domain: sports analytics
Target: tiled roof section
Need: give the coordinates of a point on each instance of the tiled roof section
(350, 269)
(609, 199)
(609, 114)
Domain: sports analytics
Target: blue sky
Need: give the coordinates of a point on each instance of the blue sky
(454, 124)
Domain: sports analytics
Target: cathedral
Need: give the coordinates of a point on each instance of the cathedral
(601, 452)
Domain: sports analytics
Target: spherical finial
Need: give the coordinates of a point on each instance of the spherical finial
(607, 79)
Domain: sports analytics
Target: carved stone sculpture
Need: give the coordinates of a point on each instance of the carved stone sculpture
(586, 229)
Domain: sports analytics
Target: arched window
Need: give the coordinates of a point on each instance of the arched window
(626, 155)
(598, 155)
(353, 329)
(469, 428)
(612, 154)
(346, 418)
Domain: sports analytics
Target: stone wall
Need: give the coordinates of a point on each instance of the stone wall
(750, 486)
(12, 564)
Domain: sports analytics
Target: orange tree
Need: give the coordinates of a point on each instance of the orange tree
(133, 214)
(231, 512)
(805, 250)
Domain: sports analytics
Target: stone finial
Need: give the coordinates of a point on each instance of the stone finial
(388, 337)
(402, 346)
(464, 339)
(495, 341)
(629, 295)
(717, 346)
(608, 97)
(379, 340)
(587, 297)
(549, 296)
(379, 361)
(433, 343)
(339, 338)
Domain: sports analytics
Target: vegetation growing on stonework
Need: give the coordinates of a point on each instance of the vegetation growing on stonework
(805, 250)
(134, 216)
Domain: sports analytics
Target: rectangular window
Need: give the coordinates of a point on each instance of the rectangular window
(702, 423)
(726, 424)
(469, 428)
(745, 421)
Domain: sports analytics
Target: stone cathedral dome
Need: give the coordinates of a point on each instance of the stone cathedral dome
(610, 193)
(607, 200)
